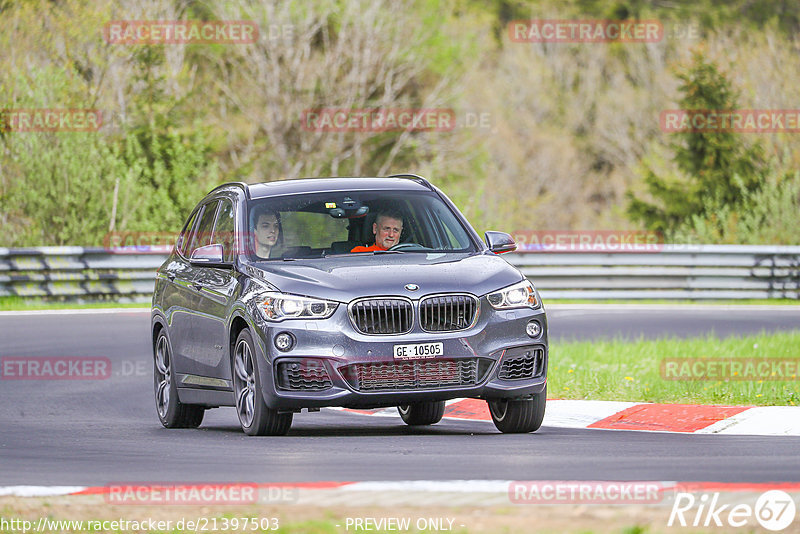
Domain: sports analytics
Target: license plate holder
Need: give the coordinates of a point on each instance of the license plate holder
(418, 351)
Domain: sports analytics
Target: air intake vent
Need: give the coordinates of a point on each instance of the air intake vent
(518, 366)
(416, 374)
(447, 313)
(304, 374)
(382, 316)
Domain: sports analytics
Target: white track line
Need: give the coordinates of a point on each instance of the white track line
(38, 491)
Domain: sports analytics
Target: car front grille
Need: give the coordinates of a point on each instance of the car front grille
(447, 313)
(527, 363)
(382, 315)
(416, 374)
(304, 374)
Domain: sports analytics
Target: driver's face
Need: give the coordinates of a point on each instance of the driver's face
(387, 231)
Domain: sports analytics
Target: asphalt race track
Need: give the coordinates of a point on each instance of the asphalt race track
(96, 432)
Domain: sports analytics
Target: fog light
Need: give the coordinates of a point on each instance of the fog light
(284, 341)
(533, 328)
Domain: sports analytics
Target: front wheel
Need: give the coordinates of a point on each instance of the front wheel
(518, 416)
(256, 418)
(422, 413)
(171, 412)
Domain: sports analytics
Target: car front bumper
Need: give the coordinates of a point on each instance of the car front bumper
(332, 364)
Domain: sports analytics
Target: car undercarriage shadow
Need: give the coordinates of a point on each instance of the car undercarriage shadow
(360, 430)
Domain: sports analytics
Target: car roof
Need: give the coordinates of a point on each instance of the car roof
(319, 185)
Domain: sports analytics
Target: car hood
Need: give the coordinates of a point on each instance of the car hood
(343, 278)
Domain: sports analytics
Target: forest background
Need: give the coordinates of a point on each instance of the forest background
(556, 136)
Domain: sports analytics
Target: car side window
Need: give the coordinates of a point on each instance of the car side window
(186, 234)
(224, 229)
(202, 235)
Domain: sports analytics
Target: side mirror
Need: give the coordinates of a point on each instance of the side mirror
(500, 242)
(211, 255)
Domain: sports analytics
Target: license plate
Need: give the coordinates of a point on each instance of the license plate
(418, 350)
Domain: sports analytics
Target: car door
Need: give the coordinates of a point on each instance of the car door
(189, 354)
(216, 289)
(178, 300)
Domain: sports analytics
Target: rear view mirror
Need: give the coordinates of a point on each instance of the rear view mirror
(500, 242)
(346, 208)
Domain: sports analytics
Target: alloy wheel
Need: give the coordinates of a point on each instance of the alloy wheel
(244, 383)
(163, 376)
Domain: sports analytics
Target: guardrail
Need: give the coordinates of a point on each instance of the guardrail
(666, 272)
(78, 273)
(672, 272)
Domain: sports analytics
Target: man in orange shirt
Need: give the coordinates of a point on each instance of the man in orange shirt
(387, 228)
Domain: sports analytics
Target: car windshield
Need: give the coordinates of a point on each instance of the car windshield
(316, 225)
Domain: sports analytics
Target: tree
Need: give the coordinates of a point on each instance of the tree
(716, 168)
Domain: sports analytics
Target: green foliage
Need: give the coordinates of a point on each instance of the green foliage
(717, 169)
(161, 178)
(769, 216)
(74, 187)
(78, 186)
(570, 123)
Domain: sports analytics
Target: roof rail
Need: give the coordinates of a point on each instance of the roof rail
(415, 177)
(236, 184)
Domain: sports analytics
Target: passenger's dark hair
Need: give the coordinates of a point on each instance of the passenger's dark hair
(263, 210)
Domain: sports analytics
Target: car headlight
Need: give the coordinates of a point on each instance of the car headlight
(520, 295)
(280, 306)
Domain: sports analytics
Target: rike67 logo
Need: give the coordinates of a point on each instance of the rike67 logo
(774, 510)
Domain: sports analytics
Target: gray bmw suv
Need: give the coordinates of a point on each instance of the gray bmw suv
(352, 292)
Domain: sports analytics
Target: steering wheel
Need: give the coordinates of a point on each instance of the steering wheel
(408, 246)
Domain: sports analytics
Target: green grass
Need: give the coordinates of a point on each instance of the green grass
(631, 371)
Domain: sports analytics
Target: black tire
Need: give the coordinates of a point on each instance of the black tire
(255, 417)
(518, 416)
(171, 412)
(422, 413)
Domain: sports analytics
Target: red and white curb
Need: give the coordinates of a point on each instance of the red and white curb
(613, 415)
